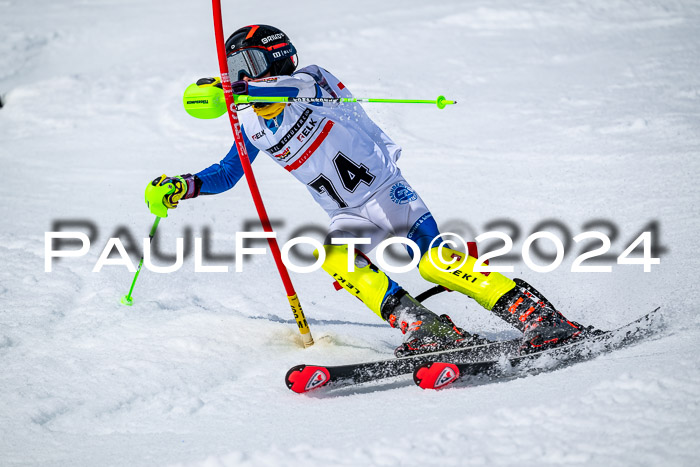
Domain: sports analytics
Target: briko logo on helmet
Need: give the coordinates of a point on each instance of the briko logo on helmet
(273, 37)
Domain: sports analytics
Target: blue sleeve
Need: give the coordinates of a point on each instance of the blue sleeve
(284, 86)
(265, 91)
(224, 175)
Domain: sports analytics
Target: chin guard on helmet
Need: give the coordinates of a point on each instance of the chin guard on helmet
(205, 98)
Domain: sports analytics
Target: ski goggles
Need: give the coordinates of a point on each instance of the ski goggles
(255, 62)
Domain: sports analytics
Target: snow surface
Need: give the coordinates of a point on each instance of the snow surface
(568, 110)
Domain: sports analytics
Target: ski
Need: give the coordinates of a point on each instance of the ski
(304, 378)
(439, 374)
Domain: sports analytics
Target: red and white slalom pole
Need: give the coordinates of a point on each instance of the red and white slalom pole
(250, 178)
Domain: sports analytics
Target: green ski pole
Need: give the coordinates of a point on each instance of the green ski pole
(205, 99)
(126, 299)
(441, 101)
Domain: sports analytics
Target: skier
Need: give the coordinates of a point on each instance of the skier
(349, 165)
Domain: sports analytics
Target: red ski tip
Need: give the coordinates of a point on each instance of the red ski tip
(435, 375)
(302, 378)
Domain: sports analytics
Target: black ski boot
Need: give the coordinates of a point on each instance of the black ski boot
(542, 325)
(425, 331)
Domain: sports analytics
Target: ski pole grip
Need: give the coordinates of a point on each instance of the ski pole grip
(239, 87)
(244, 99)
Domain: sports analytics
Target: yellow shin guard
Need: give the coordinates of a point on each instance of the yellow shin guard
(485, 288)
(366, 282)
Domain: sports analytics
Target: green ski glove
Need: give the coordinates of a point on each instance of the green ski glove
(165, 192)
